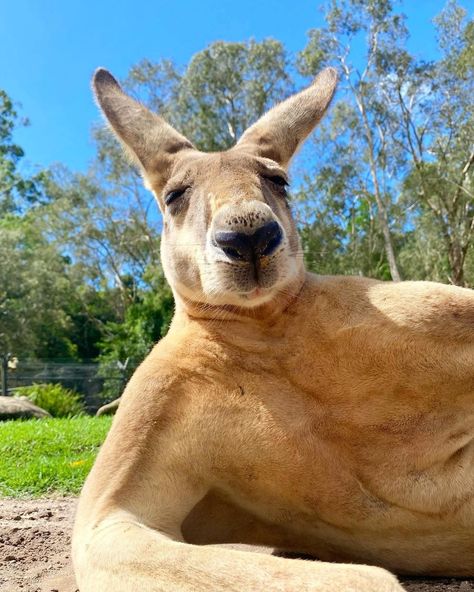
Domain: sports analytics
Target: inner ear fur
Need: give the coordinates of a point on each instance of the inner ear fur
(279, 133)
(147, 138)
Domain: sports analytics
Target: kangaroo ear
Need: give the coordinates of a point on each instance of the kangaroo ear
(148, 139)
(279, 133)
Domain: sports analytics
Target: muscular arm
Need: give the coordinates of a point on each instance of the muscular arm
(439, 311)
(152, 470)
(390, 338)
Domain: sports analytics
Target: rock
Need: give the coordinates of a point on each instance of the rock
(108, 409)
(20, 408)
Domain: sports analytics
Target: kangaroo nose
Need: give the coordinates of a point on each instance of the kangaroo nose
(245, 247)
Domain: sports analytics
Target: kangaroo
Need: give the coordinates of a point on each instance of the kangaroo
(323, 416)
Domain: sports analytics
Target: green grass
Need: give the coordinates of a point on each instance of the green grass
(48, 456)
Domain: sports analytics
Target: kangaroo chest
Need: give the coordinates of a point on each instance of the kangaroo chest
(350, 457)
(352, 474)
(358, 443)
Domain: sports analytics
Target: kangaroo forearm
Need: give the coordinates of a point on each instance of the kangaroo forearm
(127, 557)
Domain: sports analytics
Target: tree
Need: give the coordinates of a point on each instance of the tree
(110, 242)
(227, 87)
(126, 343)
(402, 135)
(390, 194)
(15, 188)
(33, 289)
(364, 146)
(33, 278)
(434, 104)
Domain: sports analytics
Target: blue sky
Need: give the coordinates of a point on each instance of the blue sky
(51, 48)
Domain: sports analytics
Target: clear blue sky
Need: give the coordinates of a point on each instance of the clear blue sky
(51, 47)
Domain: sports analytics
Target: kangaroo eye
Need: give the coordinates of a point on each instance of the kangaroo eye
(174, 195)
(278, 180)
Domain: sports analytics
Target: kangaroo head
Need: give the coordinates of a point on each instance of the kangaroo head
(228, 234)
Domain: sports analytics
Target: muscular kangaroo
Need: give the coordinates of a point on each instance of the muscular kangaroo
(329, 416)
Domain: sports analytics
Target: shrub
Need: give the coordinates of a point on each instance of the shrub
(54, 398)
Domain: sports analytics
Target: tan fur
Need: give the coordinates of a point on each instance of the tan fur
(331, 416)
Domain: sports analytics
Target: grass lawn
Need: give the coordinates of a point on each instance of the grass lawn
(47, 456)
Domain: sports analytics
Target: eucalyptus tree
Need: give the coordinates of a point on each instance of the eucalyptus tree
(434, 103)
(16, 189)
(402, 136)
(361, 146)
(226, 87)
(34, 287)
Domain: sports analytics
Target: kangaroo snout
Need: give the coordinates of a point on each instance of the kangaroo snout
(242, 246)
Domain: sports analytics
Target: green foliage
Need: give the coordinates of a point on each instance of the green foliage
(15, 188)
(146, 320)
(34, 287)
(439, 121)
(404, 131)
(226, 87)
(359, 139)
(54, 398)
(48, 456)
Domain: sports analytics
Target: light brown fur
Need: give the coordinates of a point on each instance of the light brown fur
(332, 416)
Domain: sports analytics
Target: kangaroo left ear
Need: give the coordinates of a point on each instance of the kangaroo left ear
(148, 139)
(279, 133)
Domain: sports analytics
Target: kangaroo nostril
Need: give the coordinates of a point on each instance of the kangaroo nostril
(246, 247)
(232, 253)
(272, 245)
(236, 245)
(267, 238)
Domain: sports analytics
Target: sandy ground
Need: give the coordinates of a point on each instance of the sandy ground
(35, 554)
(34, 545)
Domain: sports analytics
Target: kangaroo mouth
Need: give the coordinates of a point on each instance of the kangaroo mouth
(252, 282)
(257, 292)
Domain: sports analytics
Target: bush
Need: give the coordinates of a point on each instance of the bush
(54, 398)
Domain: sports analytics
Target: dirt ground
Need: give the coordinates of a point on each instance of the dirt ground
(34, 545)
(35, 554)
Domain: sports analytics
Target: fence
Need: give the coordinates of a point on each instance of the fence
(83, 377)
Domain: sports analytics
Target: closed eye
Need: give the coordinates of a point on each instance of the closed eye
(171, 196)
(277, 180)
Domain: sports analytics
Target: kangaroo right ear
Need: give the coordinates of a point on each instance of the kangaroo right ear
(279, 133)
(148, 139)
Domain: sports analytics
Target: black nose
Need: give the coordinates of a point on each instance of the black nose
(246, 247)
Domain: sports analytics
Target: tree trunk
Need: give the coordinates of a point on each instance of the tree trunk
(387, 238)
(381, 209)
(456, 257)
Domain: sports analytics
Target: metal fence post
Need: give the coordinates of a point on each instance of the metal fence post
(5, 374)
(122, 366)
